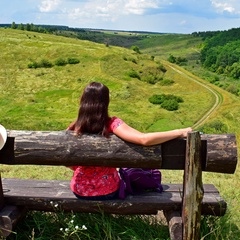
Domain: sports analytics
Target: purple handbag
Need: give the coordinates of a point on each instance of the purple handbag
(138, 180)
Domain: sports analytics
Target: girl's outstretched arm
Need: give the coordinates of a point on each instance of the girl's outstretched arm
(130, 134)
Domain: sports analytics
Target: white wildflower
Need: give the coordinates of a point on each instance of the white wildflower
(84, 227)
(76, 227)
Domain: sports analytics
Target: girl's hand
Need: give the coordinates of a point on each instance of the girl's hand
(185, 131)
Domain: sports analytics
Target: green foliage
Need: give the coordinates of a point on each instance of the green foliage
(84, 226)
(162, 68)
(73, 61)
(44, 63)
(134, 74)
(47, 64)
(177, 60)
(172, 59)
(232, 88)
(166, 82)
(60, 62)
(221, 53)
(215, 126)
(151, 79)
(167, 101)
(170, 105)
(136, 49)
(33, 65)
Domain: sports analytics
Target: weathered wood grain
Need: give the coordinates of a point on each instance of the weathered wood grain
(219, 152)
(175, 225)
(192, 189)
(53, 195)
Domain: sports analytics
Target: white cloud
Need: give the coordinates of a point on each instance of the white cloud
(49, 5)
(113, 9)
(231, 6)
(139, 7)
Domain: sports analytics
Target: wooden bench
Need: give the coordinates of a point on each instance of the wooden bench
(182, 203)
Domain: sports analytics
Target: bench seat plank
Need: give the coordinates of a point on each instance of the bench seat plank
(55, 195)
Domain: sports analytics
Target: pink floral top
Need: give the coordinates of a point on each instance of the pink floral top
(96, 181)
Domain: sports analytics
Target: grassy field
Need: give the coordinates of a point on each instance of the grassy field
(47, 99)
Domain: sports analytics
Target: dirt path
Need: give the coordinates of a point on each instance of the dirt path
(218, 97)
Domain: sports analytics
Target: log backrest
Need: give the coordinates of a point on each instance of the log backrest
(218, 151)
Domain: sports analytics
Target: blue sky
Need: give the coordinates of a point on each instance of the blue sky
(173, 16)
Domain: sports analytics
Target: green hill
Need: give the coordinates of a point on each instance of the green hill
(47, 98)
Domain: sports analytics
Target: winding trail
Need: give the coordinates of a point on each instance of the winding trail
(218, 96)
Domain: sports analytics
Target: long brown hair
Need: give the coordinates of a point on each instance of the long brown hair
(93, 111)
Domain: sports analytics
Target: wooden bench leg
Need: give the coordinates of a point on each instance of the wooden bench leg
(175, 226)
(9, 217)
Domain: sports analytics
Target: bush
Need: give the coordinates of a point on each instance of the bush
(167, 101)
(156, 99)
(136, 49)
(45, 64)
(60, 62)
(170, 105)
(42, 64)
(150, 79)
(166, 82)
(73, 61)
(33, 65)
(162, 68)
(216, 126)
(133, 74)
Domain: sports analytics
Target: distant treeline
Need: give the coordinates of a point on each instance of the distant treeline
(221, 52)
(38, 28)
(90, 34)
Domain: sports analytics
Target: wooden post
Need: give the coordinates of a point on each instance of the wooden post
(174, 224)
(192, 188)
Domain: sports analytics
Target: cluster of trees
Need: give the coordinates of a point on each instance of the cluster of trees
(177, 60)
(151, 75)
(47, 64)
(167, 101)
(37, 28)
(221, 53)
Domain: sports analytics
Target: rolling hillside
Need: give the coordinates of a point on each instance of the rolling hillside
(47, 98)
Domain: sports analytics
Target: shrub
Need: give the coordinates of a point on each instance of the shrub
(45, 64)
(166, 82)
(233, 89)
(133, 74)
(136, 49)
(215, 126)
(162, 68)
(150, 79)
(73, 61)
(156, 99)
(33, 65)
(60, 62)
(170, 105)
(167, 101)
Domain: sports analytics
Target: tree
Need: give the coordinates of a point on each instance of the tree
(136, 49)
(20, 26)
(13, 26)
